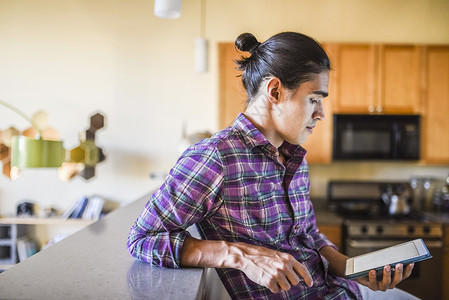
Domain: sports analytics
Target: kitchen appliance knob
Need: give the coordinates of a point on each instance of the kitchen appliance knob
(364, 229)
(411, 229)
(379, 229)
(426, 229)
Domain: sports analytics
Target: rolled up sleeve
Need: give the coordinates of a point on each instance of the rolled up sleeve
(190, 193)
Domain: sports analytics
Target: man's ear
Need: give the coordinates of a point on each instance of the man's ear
(273, 90)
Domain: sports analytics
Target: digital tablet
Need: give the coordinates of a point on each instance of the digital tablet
(409, 252)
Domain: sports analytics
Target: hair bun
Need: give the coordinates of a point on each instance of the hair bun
(246, 42)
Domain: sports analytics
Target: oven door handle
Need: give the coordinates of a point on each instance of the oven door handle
(383, 244)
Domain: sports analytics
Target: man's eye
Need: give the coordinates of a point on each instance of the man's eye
(313, 101)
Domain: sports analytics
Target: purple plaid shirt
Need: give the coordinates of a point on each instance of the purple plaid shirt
(233, 188)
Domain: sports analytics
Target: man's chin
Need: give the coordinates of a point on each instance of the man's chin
(303, 139)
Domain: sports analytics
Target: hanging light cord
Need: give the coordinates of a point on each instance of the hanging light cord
(22, 114)
(203, 19)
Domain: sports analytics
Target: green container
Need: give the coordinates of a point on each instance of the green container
(36, 153)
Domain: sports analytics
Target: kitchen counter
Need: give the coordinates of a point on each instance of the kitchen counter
(95, 264)
(440, 217)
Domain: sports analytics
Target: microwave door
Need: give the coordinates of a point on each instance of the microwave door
(407, 141)
(396, 141)
(358, 139)
(376, 137)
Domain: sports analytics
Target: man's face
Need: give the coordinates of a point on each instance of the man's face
(301, 109)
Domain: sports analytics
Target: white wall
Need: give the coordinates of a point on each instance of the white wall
(73, 58)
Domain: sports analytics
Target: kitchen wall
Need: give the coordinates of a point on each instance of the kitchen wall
(73, 58)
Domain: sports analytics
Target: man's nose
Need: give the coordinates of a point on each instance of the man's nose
(319, 111)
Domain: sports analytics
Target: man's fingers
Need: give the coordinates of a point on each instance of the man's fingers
(293, 277)
(397, 275)
(278, 279)
(283, 283)
(273, 286)
(408, 270)
(372, 280)
(304, 273)
(386, 279)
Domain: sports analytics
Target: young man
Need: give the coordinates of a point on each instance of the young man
(247, 189)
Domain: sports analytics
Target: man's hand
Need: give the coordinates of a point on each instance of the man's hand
(337, 265)
(272, 269)
(387, 281)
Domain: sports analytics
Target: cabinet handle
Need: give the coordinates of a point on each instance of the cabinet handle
(379, 109)
(371, 108)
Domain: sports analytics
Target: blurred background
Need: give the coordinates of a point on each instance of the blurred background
(73, 58)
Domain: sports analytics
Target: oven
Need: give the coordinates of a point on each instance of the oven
(368, 226)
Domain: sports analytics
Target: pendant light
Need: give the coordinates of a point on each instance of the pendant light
(200, 50)
(167, 9)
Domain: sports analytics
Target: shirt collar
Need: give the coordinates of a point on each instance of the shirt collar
(253, 137)
(291, 150)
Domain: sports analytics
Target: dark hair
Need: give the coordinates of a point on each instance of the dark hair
(290, 56)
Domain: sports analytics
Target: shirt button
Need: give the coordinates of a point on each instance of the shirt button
(297, 227)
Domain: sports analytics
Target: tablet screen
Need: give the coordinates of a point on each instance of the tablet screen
(385, 257)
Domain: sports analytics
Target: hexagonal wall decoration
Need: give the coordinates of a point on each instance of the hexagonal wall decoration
(84, 157)
(81, 160)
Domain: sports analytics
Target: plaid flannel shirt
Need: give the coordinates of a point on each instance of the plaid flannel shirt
(233, 188)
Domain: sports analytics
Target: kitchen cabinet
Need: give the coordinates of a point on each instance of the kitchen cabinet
(232, 95)
(333, 232)
(435, 128)
(355, 68)
(377, 78)
(232, 101)
(400, 76)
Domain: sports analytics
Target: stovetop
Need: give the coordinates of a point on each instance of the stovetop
(364, 200)
(381, 214)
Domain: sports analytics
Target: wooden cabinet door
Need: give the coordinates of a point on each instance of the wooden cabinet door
(356, 67)
(333, 233)
(435, 142)
(378, 78)
(400, 81)
(232, 95)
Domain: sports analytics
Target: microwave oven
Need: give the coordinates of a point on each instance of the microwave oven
(376, 137)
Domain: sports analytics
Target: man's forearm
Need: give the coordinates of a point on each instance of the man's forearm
(207, 254)
(219, 254)
(337, 260)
